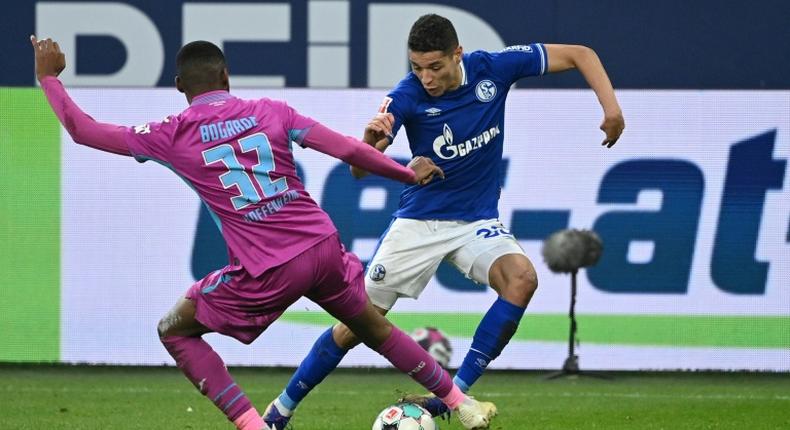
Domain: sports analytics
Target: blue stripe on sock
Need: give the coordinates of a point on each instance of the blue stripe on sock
(287, 401)
(219, 396)
(232, 401)
(438, 374)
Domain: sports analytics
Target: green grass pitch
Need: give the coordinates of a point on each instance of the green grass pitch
(64, 397)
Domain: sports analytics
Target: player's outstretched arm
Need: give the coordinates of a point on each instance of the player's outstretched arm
(50, 61)
(357, 153)
(565, 57)
(378, 134)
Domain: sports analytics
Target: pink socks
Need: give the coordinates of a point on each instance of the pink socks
(205, 369)
(409, 357)
(250, 420)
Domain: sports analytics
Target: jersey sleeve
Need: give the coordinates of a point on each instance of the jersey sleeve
(295, 125)
(309, 133)
(151, 141)
(399, 104)
(519, 61)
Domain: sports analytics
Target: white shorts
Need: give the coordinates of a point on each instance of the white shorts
(410, 252)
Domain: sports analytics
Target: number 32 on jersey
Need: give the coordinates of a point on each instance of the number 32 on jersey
(239, 177)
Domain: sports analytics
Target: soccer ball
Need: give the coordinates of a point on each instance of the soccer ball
(404, 416)
(436, 343)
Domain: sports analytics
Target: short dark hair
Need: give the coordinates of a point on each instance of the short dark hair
(433, 33)
(199, 64)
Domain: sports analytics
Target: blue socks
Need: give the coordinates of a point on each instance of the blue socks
(494, 332)
(322, 359)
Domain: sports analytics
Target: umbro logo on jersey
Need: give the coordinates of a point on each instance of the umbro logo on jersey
(433, 111)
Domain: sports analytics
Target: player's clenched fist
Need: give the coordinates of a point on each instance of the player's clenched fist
(50, 61)
(379, 128)
(425, 169)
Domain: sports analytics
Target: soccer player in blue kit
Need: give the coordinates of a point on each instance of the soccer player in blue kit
(452, 105)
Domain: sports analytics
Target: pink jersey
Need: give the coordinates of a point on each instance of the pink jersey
(236, 154)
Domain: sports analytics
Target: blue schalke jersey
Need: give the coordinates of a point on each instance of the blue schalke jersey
(462, 131)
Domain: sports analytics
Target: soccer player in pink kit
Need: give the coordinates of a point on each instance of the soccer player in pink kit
(236, 155)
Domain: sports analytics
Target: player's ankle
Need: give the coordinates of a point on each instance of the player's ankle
(454, 398)
(461, 383)
(284, 410)
(249, 420)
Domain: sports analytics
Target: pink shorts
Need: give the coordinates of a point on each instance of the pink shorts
(232, 302)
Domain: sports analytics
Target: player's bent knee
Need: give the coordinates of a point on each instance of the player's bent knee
(344, 337)
(369, 327)
(529, 280)
(167, 324)
(163, 327)
(371, 333)
(520, 287)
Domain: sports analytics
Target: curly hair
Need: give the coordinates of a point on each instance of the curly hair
(433, 33)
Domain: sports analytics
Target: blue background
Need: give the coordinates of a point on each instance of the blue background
(702, 44)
